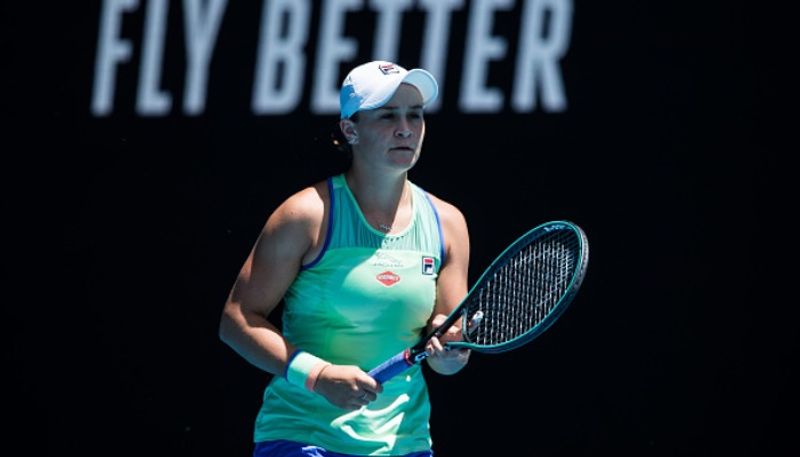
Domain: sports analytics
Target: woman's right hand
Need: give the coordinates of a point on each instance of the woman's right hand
(347, 386)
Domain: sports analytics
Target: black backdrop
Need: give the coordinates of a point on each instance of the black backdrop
(131, 229)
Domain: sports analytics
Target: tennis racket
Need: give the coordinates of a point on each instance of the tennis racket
(516, 299)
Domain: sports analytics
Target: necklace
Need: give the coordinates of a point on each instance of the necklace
(388, 227)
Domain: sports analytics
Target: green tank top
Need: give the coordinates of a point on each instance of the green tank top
(365, 298)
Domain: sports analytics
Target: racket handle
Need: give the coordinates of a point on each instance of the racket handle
(394, 366)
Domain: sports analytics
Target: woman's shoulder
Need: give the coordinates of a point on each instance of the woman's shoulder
(304, 208)
(310, 198)
(449, 213)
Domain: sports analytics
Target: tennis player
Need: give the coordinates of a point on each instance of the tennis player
(365, 262)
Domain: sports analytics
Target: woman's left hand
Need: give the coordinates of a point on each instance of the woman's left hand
(446, 361)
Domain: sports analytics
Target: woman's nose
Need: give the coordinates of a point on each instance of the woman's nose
(403, 129)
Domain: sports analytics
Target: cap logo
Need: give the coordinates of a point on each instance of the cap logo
(388, 68)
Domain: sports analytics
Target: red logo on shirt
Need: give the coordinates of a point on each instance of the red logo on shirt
(387, 278)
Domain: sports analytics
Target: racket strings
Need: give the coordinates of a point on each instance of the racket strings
(525, 290)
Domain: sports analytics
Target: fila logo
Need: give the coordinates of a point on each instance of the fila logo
(388, 68)
(387, 278)
(427, 265)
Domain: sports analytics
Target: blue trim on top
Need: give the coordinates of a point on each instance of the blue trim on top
(327, 232)
(289, 362)
(438, 226)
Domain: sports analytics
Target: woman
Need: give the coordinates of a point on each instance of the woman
(365, 262)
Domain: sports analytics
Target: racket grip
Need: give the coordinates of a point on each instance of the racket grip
(394, 366)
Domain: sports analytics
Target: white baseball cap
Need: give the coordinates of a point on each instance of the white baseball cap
(371, 85)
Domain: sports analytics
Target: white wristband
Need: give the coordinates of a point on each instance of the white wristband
(301, 365)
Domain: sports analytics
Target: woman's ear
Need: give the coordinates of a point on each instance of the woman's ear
(348, 128)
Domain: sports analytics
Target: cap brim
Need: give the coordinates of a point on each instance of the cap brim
(424, 82)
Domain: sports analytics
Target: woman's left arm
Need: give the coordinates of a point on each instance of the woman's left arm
(450, 290)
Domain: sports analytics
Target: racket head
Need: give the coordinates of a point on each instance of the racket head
(525, 289)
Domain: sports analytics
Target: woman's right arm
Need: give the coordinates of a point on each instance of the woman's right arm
(290, 233)
(264, 278)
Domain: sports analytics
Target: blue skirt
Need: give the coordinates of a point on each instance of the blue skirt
(285, 448)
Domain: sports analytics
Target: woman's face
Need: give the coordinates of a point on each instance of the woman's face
(391, 136)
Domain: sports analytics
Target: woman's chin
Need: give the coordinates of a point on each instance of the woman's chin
(403, 157)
